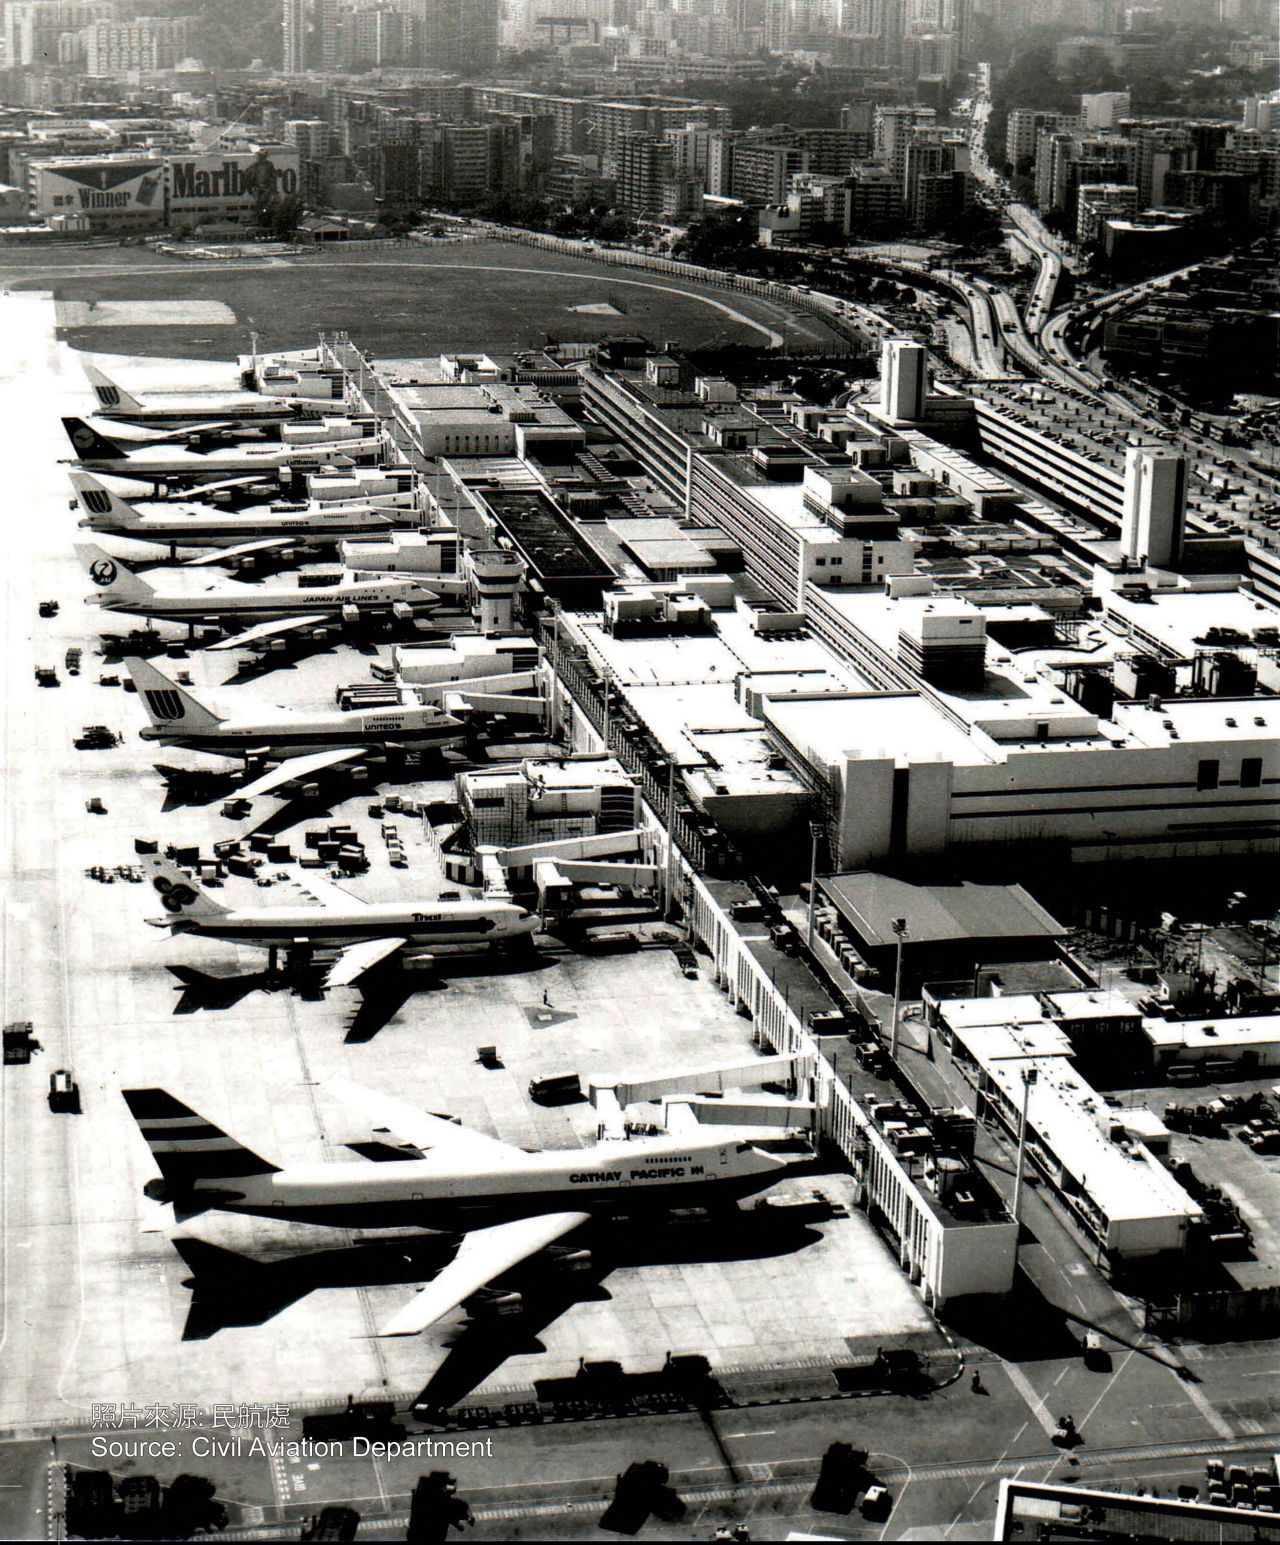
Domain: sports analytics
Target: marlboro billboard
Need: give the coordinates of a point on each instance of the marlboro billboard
(227, 184)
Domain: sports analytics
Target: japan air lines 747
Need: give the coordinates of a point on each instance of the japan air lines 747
(266, 610)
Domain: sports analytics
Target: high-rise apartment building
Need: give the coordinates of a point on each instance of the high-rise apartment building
(936, 185)
(762, 171)
(645, 162)
(1025, 126)
(312, 136)
(1096, 203)
(33, 28)
(458, 35)
(1158, 150)
(146, 43)
(311, 35)
(1104, 109)
(894, 129)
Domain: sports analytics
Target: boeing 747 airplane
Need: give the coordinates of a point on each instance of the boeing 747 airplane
(235, 534)
(507, 1204)
(363, 933)
(98, 452)
(247, 407)
(304, 742)
(273, 609)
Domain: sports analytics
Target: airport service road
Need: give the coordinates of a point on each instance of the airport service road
(943, 1457)
(40, 1282)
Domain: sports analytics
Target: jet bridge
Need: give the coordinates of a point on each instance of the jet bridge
(465, 700)
(499, 684)
(558, 865)
(691, 1097)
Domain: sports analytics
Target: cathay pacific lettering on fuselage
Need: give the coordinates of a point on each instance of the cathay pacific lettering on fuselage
(672, 1172)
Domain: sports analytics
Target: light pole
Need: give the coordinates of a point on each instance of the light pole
(1029, 1076)
(900, 932)
(815, 837)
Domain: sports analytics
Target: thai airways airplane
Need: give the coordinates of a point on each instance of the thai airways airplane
(236, 534)
(274, 608)
(150, 464)
(364, 933)
(508, 1204)
(304, 741)
(249, 407)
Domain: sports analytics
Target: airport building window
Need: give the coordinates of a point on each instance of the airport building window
(1251, 772)
(1207, 774)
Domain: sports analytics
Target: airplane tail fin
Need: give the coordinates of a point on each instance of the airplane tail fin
(87, 441)
(168, 705)
(115, 580)
(112, 398)
(104, 510)
(187, 1148)
(183, 897)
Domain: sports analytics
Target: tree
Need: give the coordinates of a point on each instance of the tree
(720, 237)
(284, 218)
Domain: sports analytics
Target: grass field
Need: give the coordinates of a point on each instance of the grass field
(401, 301)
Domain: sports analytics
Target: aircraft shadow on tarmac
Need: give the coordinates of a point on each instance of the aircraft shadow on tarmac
(382, 998)
(186, 786)
(477, 1350)
(232, 1290)
(266, 662)
(200, 992)
(145, 646)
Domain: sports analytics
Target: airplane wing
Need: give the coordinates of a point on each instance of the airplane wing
(221, 554)
(299, 767)
(265, 630)
(326, 894)
(352, 964)
(206, 490)
(433, 1136)
(185, 434)
(483, 1255)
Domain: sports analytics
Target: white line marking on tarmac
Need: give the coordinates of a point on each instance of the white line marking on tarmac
(1208, 1410)
(1035, 1402)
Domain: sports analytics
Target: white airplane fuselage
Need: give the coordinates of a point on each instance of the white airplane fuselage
(289, 732)
(321, 525)
(263, 603)
(251, 407)
(662, 1171)
(421, 923)
(202, 466)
